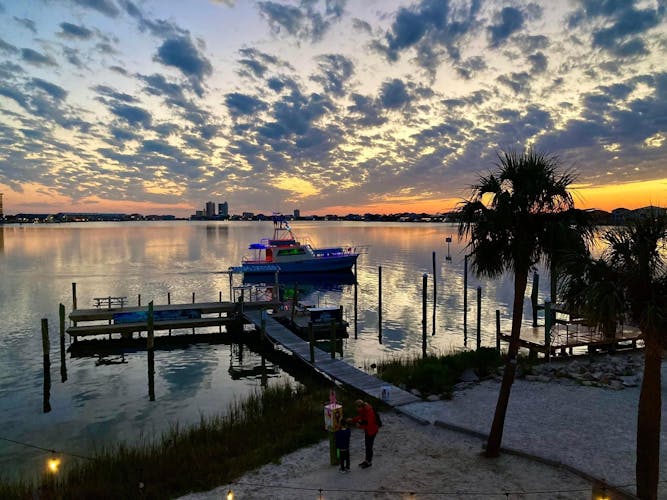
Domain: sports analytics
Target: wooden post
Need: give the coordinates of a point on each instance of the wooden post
(424, 283)
(262, 326)
(139, 300)
(63, 364)
(46, 365)
(193, 301)
(533, 296)
(168, 303)
(498, 330)
(150, 344)
(220, 314)
(479, 317)
(74, 299)
(295, 296)
(435, 293)
(547, 329)
(311, 342)
(231, 287)
(465, 299)
(276, 289)
(380, 303)
(332, 333)
(448, 240)
(355, 301)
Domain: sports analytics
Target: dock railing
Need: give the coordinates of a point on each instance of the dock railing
(109, 302)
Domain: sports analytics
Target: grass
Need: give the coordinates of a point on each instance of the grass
(254, 432)
(438, 374)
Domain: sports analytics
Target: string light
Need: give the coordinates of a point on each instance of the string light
(53, 464)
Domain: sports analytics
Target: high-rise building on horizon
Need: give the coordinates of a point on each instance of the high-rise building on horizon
(2, 213)
(210, 209)
(223, 209)
(297, 213)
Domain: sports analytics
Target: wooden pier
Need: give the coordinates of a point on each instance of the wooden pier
(107, 321)
(335, 369)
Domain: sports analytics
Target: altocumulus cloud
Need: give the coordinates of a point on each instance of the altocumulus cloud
(182, 54)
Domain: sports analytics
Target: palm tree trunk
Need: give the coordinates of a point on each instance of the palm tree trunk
(648, 421)
(496, 434)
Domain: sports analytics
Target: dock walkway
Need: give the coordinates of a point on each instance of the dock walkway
(334, 368)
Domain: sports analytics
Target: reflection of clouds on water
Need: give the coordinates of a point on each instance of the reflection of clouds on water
(187, 370)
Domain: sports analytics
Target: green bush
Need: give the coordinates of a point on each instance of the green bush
(438, 374)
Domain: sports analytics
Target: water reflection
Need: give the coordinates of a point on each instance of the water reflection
(107, 402)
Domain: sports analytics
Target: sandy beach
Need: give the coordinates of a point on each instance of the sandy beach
(590, 429)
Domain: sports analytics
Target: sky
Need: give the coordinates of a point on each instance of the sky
(328, 106)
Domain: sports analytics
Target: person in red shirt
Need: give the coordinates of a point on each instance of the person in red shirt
(367, 421)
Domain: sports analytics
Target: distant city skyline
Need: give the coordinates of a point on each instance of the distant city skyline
(332, 106)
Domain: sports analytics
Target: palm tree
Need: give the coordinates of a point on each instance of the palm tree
(511, 219)
(629, 281)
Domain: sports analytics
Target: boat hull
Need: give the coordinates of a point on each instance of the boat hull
(317, 265)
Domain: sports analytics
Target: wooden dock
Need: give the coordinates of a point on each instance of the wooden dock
(591, 343)
(104, 321)
(334, 368)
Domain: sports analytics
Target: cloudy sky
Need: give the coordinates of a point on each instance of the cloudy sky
(330, 106)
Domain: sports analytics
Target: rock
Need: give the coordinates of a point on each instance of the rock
(543, 378)
(416, 392)
(630, 381)
(617, 385)
(463, 385)
(433, 397)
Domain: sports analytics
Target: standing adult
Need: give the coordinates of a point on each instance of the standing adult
(367, 421)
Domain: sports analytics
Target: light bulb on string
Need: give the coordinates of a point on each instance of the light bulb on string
(53, 464)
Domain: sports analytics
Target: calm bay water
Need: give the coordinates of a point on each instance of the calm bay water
(104, 403)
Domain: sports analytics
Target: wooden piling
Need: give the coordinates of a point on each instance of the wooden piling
(356, 329)
(150, 344)
(63, 363)
(139, 300)
(74, 299)
(219, 314)
(547, 330)
(332, 333)
(424, 284)
(479, 317)
(311, 342)
(231, 287)
(262, 326)
(46, 365)
(498, 330)
(533, 296)
(169, 302)
(380, 303)
(294, 300)
(435, 293)
(193, 301)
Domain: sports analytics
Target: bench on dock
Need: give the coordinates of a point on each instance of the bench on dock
(108, 302)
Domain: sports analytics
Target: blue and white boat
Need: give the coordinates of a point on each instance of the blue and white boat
(286, 254)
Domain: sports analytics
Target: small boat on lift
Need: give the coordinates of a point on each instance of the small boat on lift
(286, 254)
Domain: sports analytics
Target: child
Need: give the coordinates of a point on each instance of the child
(342, 437)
